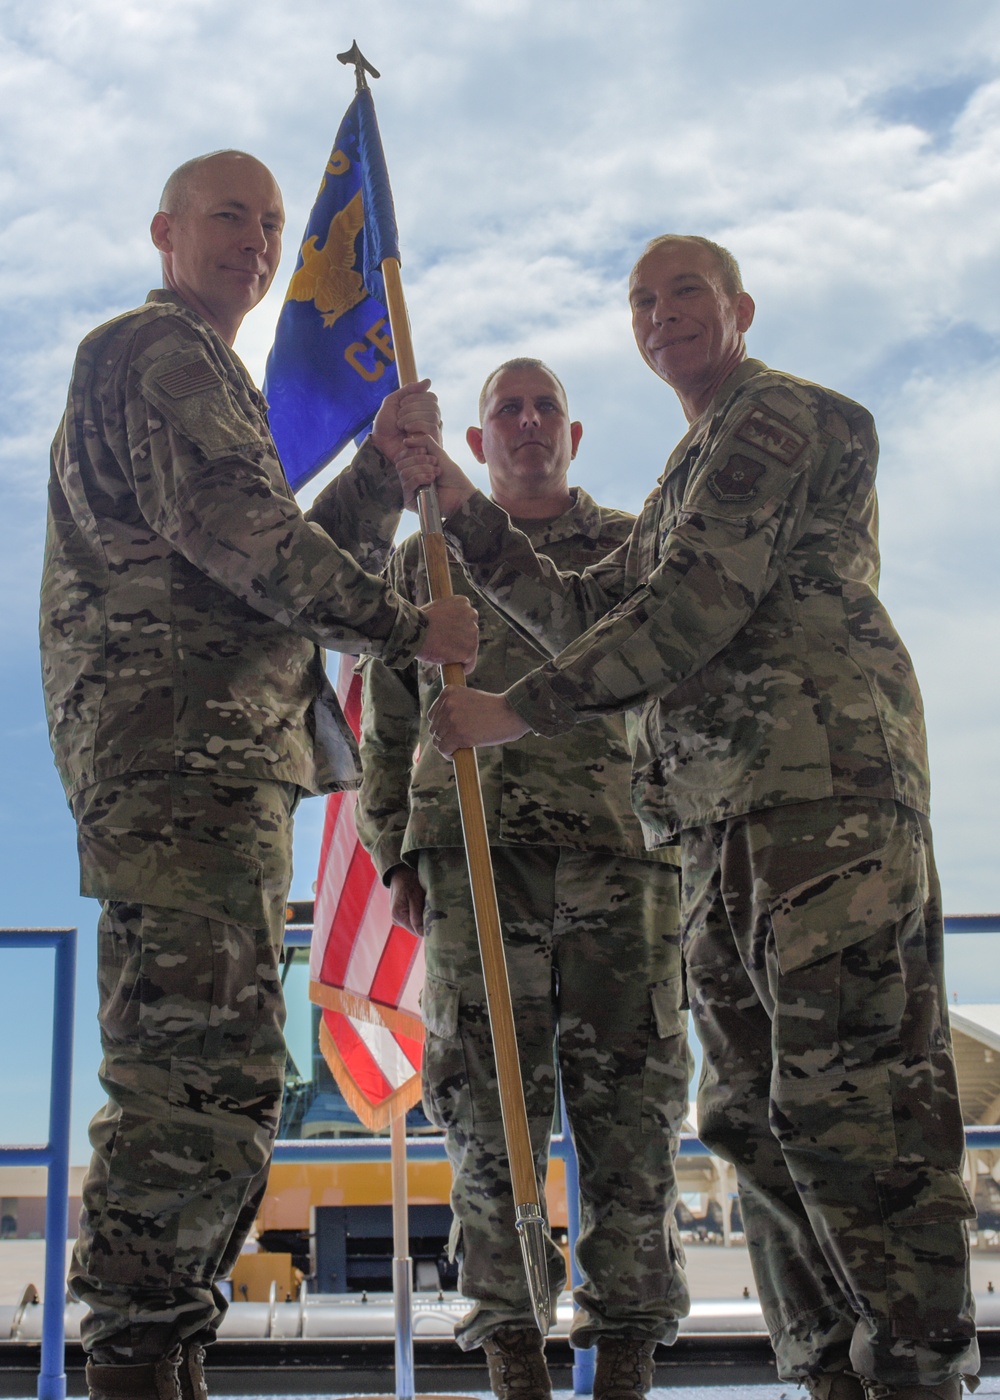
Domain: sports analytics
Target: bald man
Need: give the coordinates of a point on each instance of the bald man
(185, 599)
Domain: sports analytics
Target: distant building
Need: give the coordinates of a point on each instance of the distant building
(22, 1202)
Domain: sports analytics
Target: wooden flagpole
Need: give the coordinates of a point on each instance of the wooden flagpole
(529, 1219)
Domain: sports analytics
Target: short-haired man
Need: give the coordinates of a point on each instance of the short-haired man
(590, 924)
(782, 739)
(184, 601)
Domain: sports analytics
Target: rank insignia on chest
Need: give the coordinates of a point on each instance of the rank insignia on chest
(771, 435)
(737, 480)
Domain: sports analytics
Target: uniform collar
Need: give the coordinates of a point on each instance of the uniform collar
(165, 296)
(582, 518)
(745, 370)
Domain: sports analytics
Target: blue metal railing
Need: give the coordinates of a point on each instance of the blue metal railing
(55, 1154)
(430, 1148)
(972, 923)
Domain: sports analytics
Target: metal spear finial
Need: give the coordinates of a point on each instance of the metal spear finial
(361, 64)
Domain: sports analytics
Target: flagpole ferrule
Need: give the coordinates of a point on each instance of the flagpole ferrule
(531, 1231)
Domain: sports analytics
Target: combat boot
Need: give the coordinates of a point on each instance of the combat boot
(149, 1380)
(836, 1385)
(191, 1371)
(624, 1368)
(948, 1390)
(516, 1357)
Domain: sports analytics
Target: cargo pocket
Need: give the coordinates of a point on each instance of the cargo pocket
(152, 1230)
(924, 1210)
(445, 1074)
(237, 1099)
(203, 986)
(840, 1117)
(840, 998)
(119, 969)
(668, 1059)
(839, 906)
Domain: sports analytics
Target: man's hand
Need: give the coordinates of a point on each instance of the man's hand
(422, 461)
(452, 633)
(407, 411)
(472, 719)
(406, 899)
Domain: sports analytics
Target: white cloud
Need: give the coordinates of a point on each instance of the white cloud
(533, 149)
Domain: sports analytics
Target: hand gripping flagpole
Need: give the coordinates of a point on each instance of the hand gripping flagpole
(529, 1219)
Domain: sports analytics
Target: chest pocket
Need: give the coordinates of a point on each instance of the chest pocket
(669, 500)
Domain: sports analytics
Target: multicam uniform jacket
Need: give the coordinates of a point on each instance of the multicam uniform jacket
(741, 615)
(185, 596)
(572, 793)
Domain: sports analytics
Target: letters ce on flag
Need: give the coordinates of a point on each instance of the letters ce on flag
(332, 362)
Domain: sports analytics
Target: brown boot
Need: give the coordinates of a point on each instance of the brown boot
(516, 1357)
(836, 1385)
(191, 1372)
(150, 1380)
(947, 1390)
(624, 1368)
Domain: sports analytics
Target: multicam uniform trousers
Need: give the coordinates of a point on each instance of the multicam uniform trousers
(191, 1016)
(813, 953)
(592, 948)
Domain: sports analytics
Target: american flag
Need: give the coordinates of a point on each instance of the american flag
(364, 971)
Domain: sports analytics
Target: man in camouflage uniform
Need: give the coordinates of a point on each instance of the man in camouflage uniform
(184, 601)
(590, 923)
(781, 738)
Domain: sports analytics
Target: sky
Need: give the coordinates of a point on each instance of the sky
(848, 154)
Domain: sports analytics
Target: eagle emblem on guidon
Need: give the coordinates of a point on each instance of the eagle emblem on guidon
(327, 276)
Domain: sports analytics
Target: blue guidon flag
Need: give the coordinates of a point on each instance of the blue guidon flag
(332, 362)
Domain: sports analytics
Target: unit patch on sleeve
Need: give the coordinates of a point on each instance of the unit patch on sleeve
(188, 379)
(771, 435)
(737, 480)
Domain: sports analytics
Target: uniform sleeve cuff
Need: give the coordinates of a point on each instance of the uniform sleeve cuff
(538, 705)
(378, 474)
(403, 643)
(475, 527)
(387, 855)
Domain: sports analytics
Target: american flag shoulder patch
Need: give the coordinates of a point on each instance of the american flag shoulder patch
(188, 379)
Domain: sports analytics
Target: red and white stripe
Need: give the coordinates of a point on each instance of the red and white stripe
(364, 971)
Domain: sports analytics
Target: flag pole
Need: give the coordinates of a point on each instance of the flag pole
(402, 1264)
(529, 1218)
